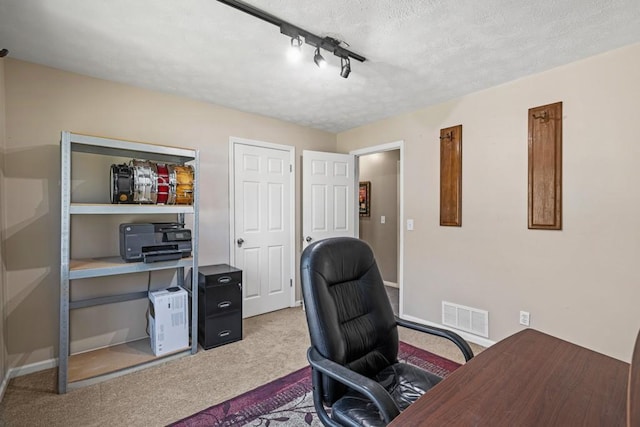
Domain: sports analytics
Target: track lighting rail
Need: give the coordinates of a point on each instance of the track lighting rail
(327, 43)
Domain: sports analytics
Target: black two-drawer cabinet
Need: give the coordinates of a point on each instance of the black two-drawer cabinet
(219, 305)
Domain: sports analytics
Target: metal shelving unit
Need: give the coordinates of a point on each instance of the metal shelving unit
(72, 269)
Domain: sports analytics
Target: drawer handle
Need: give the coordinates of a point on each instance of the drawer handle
(224, 333)
(224, 279)
(224, 304)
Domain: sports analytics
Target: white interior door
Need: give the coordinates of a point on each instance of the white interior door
(328, 196)
(262, 226)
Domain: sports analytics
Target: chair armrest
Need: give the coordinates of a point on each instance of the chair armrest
(373, 390)
(444, 333)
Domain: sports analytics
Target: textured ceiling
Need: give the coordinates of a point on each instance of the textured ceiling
(420, 52)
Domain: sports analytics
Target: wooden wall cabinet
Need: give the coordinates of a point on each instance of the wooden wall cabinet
(545, 167)
(451, 176)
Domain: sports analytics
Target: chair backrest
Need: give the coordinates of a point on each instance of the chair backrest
(633, 387)
(348, 311)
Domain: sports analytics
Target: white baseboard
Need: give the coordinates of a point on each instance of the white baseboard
(3, 386)
(298, 303)
(392, 284)
(467, 336)
(25, 370)
(31, 368)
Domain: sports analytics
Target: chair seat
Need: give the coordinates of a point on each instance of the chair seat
(405, 383)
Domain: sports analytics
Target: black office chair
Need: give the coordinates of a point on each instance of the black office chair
(354, 338)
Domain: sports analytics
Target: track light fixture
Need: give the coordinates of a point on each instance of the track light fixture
(327, 43)
(296, 48)
(345, 67)
(296, 42)
(319, 60)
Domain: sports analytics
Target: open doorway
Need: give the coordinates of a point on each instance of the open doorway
(379, 210)
(380, 222)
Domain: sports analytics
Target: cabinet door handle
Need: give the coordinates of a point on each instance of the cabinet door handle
(224, 279)
(224, 304)
(224, 333)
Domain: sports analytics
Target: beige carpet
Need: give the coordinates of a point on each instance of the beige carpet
(274, 345)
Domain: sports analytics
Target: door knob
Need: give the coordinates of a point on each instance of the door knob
(240, 241)
(308, 239)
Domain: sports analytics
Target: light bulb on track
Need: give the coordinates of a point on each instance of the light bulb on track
(319, 60)
(295, 51)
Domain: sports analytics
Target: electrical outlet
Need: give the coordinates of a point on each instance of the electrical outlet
(524, 318)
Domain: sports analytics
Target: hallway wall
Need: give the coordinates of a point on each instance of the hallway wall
(381, 170)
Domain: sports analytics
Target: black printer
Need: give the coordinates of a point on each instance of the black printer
(153, 242)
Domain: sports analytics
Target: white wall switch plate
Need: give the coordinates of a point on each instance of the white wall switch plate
(524, 318)
(409, 224)
(383, 219)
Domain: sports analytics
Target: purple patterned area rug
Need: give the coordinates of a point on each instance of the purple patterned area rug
(288, 401)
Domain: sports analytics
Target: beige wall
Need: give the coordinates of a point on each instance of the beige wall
(41, 102)
(381, 169)
(3, 325)
(581, 283)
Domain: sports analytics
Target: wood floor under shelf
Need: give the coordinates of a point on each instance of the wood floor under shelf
(91, 364)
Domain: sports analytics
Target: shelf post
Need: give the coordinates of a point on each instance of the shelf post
(65, 191)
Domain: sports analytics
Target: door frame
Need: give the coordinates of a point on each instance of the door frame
(396, 145)
(233, 140)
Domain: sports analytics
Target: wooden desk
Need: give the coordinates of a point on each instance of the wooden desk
(527, 379)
